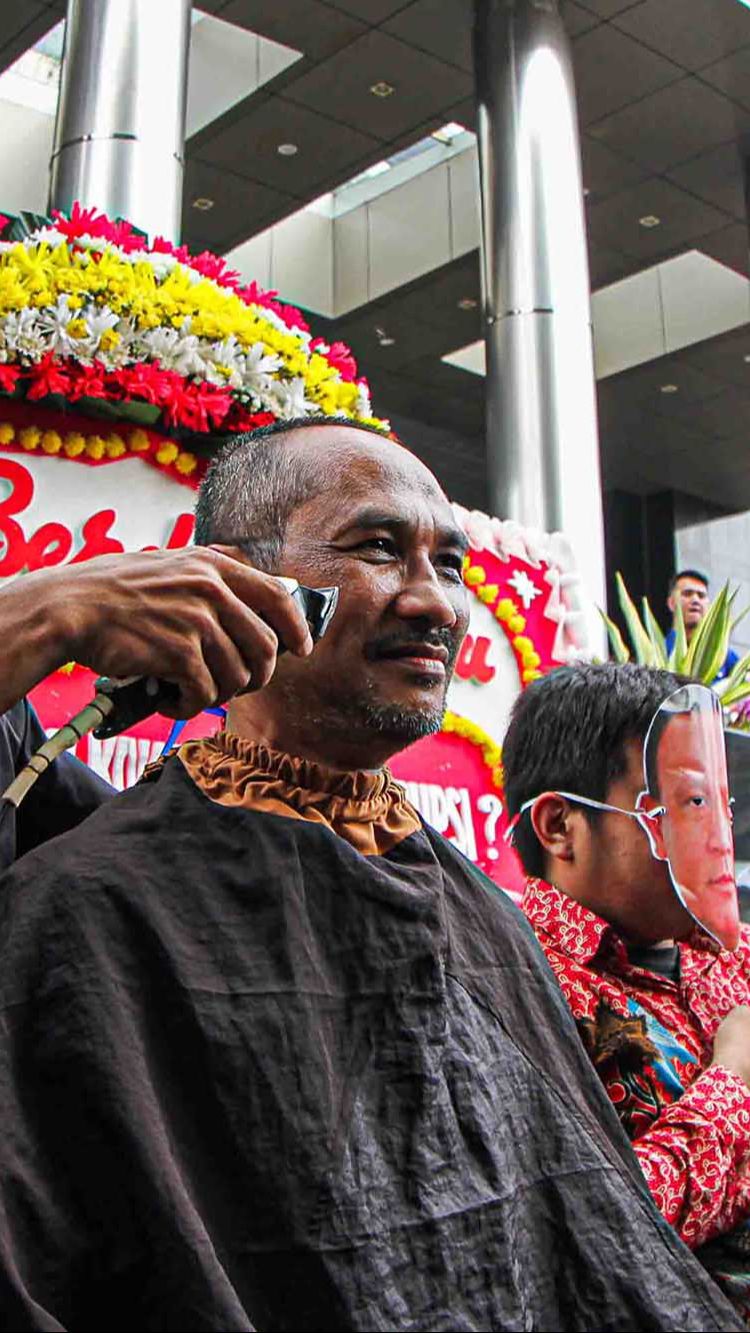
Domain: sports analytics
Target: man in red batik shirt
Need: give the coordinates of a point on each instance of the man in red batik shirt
(620, 878)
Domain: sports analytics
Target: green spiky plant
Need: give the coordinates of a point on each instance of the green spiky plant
(700, 659)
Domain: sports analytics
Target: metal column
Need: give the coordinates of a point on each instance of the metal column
(120, 129)
(542, 440)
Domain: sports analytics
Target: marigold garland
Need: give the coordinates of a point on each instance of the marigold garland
(94, 447)
(89, 311)
(456, 725)
(508, 613)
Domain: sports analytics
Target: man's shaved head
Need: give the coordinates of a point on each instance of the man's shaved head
(259, 479)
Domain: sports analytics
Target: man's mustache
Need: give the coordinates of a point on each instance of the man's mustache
(386, 644)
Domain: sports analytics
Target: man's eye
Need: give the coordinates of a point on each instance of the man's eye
(383, 545)
(452, 565)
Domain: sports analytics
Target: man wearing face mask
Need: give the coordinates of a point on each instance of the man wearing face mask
(621, 870)
(271, 1055)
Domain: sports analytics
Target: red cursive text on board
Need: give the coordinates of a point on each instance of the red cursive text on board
(52, 543)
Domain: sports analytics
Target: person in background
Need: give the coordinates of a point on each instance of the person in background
(273, 1055)
(185, 616)
(662, 1009)
(688, 589)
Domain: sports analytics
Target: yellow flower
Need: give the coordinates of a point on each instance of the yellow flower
(51, 442)
(95, 447)
(114, 446)
(109, 339)
(186, 463)
(138, 442)
(30, 437)
(7, 433)
(475, 575)
(167, 454)
(78, 328)
(75, 443)
(517, 624)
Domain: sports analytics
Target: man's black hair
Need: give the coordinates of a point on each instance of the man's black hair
(254, 483)
(687, 574)
(568, 732)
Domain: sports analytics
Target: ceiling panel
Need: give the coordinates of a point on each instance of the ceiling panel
(307, 25)
(615, 221)
(576, 18)
(250, 147)
(732, 75)
(441, 27)
(723, 358)
(692, 32)
(716, 177)
(730, 246)
(340, 87)
(607, 9)
(673, 124)
(604, 172)
(607, 265)
(370, 11)
(612, 70)
(234, 200)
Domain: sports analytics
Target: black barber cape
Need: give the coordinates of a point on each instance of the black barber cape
(252, 1078)
(58, 801)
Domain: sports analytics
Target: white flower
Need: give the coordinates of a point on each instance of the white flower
(54, 320)
(259, 366)
(161, 264)
(49, 234)
(22, 333)
(362, 406)
(174, 350)
(288, 398)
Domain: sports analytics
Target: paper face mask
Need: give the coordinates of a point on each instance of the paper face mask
(687, 809)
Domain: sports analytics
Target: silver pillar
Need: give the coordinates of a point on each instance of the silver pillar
(542, 440)
(120, 129)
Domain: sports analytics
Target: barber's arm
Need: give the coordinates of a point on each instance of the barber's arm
(695, 1157)
(201, 618)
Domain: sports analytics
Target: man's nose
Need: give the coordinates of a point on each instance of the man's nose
(424, 597)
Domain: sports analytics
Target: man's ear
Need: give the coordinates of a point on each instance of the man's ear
(671, 602)
(551, 821)
(653, 827)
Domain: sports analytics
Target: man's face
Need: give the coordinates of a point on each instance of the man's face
(616, 873)
(384, 533)
(695, 833)
(692, 596)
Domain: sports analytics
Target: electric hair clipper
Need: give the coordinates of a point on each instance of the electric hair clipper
(139, 697)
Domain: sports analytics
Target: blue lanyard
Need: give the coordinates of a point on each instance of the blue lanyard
(179, 726)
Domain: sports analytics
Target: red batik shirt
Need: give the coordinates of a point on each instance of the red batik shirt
(651, 1041)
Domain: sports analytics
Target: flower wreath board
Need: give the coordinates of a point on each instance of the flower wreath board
(123, 365)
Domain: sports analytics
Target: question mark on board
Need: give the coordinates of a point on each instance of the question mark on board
(491, 806)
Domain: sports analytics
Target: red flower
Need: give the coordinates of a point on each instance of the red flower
(339, 356)
(8, 378)
(200, 407)
(239, 418)
(87, 382)
(49, 376)
(148, 381)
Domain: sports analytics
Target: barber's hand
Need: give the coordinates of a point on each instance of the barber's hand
(201, 618)
(732, 1042)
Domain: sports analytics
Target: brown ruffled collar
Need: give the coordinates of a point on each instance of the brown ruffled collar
(369, 810)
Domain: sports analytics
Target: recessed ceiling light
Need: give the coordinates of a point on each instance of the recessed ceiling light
(669, 388)
(202, 203)
(287, 149)
(649, 220)
(382, 89)
(467, 303)
(746, 358)
(586, 192)
(384, 338)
